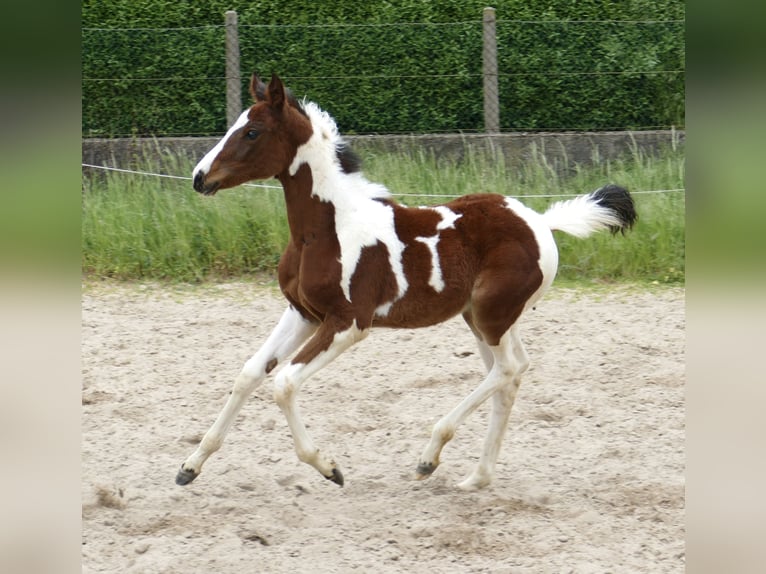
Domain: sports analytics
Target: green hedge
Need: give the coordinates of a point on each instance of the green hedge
(156, 67)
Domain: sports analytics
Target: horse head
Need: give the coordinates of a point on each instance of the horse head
(262, 142)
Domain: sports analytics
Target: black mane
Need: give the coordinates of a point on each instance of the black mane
(294, 102)
(350, 162)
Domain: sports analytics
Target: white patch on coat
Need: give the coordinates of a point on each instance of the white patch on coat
(549, 254)
(384, 309)
(206, 162)
(435, 280)
(360, 220)
(449, 217)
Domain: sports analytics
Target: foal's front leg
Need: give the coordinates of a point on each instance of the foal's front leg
(332, 338)
(289, 334)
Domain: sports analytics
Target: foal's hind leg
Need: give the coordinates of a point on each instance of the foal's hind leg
(502, 403)
(291, 331)
(484, 351)
(503, 378)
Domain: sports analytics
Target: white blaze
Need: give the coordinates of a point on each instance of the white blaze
(204, 164)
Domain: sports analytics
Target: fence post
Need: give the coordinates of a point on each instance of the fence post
(233, 83)
(489, 71)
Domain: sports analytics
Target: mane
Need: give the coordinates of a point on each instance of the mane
(350, 162)
(326, 150)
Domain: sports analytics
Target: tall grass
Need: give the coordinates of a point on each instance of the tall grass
(136, 227)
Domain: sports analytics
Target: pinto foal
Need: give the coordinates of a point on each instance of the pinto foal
(357, 259)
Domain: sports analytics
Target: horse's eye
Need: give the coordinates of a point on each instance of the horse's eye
(251, 134)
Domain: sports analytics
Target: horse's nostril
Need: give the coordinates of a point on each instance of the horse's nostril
(199, 181)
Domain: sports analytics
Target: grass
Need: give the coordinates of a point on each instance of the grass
(143, 227)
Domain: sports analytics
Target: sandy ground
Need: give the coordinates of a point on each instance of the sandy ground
(590, 477)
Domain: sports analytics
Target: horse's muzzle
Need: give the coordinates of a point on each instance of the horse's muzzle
(201, 187)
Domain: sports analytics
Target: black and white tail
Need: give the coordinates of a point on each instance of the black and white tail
(610, 207)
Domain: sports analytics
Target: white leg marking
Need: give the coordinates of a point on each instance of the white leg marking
(503, 378)
(287, 386)
(502, 403)
(291, 331)
(484, 350)
(486, 354)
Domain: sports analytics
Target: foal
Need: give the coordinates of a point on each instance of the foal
(357, 259)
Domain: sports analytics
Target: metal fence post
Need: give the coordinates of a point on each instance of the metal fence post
(489, 71)
(233, 83)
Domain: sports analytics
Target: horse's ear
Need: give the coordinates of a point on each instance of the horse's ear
(277, 92)
(257, 88)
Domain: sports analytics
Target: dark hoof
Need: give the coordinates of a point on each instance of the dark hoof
(424, 470)
(185, 476)
(336, 477)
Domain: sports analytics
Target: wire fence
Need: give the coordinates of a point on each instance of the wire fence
(279, 187)
(485, 75)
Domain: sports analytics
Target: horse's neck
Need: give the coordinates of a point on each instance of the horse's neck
(318, 199)
(309, 217)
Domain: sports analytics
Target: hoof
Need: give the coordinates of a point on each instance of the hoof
(424, 470)
(470, 485)
(336, 476)
(185, 476)
(475, 481)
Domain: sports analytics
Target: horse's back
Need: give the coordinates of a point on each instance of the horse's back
(476, 249)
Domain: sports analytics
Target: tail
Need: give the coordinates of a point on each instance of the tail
(610, 207)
